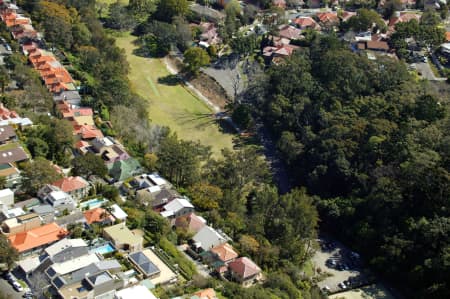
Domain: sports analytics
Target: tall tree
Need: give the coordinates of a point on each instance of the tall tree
(37, 173)
(89, 164)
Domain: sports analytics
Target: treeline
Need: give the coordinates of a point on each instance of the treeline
(373, 143)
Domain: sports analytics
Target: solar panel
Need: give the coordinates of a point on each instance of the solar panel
(144, 263)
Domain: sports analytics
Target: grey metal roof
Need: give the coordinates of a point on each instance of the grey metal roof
(43, 209)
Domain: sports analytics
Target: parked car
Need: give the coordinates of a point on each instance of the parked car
(17, 286)
(331, 263)
(27, 294)
(326, 289)
(342, 286)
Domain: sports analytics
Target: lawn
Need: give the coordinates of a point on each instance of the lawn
(172, 105)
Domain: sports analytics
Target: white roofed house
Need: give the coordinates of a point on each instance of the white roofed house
(58, 199)
(207, 238)
(176, 208)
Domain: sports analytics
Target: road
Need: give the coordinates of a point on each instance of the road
(7, 290)
(425, 70)
(280, 174)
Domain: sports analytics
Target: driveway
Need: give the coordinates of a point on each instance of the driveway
(7, 290)
(201, 268)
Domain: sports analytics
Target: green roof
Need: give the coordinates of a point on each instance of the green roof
(124, 169)
(148, 284)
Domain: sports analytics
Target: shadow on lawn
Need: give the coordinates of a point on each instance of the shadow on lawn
(170, 80)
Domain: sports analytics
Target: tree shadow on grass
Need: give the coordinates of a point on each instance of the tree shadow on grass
(170, 80)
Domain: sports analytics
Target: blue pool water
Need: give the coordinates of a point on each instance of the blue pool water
(92, 203)
(107, 248)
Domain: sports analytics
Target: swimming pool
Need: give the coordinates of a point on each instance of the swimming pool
(93, 203)
(104, 249)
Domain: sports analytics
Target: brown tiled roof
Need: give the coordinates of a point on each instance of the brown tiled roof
(244, 267)
(70, 184)
(225, 252)
(13, 155)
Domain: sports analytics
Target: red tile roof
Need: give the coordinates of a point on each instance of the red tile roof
(306, 22)
(191, 222)
(97, 215)
(225, 252)
(87, 131)
(37, 237)
(447, 36)
(244, 267)
(5, 113)
(328, 17)
(70, 184)
(290, 32)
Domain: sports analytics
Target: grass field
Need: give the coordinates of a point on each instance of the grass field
(172, 105)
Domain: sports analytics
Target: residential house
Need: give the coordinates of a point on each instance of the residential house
(77, 187)
(134, 292)
(379, 46)
(207, 238)
(152, 267)
(57, 253)
(73, 218)
(11, 174)
(21, 224)
(8, 117)
(118, 213)
(13, 155)
(244, 271)
(225, 253)
(45, 212)
(37, 238)
(156, 197)
(402, 17)
(144, 265)
(7, 133)
(290, 32)
(123, 169)
(11, 213)
(306, 23)
(206, 294)
(110, 150)
(176, 208)
(89, 282)
(209, 34)
(72, 97)
(123, 238)
(328, 19)
(190, 222)
(98, 215)
(274, 54)
(149, 180)
(24, 31)
(57, 198)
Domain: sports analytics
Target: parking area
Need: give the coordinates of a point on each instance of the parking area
(341, 268)
(11, 288)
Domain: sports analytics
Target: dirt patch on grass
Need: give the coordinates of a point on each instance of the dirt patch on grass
(210, 89)
(207, 85)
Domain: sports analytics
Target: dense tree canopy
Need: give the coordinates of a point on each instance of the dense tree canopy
(372, 143)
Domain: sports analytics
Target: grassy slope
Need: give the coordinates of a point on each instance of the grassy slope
(172, 106)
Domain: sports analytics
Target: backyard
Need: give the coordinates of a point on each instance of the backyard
(171, 104)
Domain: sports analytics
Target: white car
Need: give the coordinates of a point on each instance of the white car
(342, 285)
(17, 286)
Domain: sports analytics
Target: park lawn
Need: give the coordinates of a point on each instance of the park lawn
(172, 105)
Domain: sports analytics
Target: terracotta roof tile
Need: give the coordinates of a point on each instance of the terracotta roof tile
(37, 237)
(225, 252)
(244, 267)
(70, 184)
